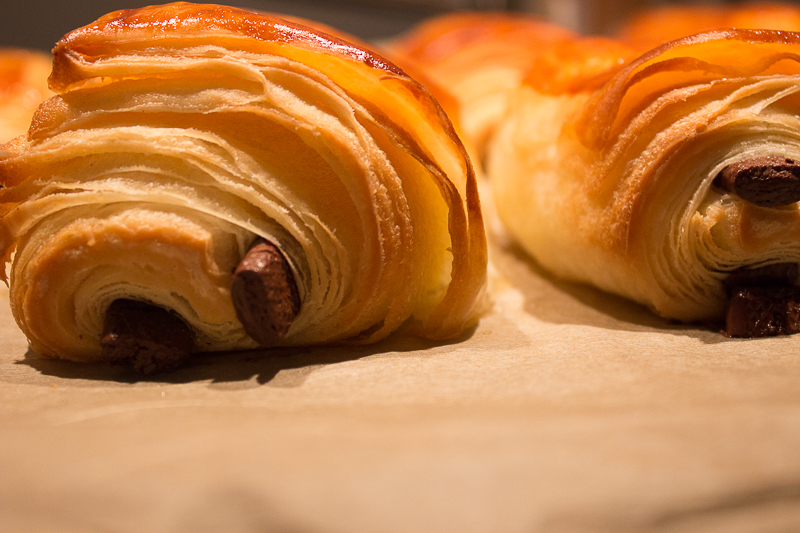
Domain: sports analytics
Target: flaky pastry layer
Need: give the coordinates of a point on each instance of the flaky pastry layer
(180, 133)
(615, 185)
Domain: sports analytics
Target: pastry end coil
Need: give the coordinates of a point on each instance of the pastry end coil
(181, 134)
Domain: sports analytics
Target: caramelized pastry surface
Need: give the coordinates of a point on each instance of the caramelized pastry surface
(180, 134)
(616, 184)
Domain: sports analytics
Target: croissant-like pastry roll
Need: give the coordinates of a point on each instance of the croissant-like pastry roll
(675, 183)
(477, 58)
(209, 178)
(656, 25)
(23, 86)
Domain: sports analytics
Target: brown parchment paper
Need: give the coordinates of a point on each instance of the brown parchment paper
(564, 410)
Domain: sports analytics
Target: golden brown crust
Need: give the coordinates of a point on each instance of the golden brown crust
(699, 58)
(615, 185)
(705, 56)
(241, 125)
(159, 24)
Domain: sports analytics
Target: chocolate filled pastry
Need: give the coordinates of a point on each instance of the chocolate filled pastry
(477, 59)
(674, 183)
(23, 86)
(209, 178)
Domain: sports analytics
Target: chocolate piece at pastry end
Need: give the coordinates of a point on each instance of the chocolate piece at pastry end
(763, 181)
(149, 338)
(763, 312)
(778, 274)
(264, 293)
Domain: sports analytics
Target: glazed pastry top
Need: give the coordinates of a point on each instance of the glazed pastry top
(210, 126)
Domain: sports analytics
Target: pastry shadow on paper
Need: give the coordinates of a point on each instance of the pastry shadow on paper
(277, 367)
(558, 301)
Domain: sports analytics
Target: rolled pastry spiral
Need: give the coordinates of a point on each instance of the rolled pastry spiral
(617, 185)
(180, 134)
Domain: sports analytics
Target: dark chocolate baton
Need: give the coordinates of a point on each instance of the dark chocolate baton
(764, 181)
(148, 337)
(764, 301)
(763, 312)
(264, 293)
(777, 274)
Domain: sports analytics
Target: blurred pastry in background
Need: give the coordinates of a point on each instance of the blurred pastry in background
(475, 59)
(650, 27)
(23, 86)
(675, 182)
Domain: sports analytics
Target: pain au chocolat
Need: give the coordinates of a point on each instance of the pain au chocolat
(210, 178)
(672, 179)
